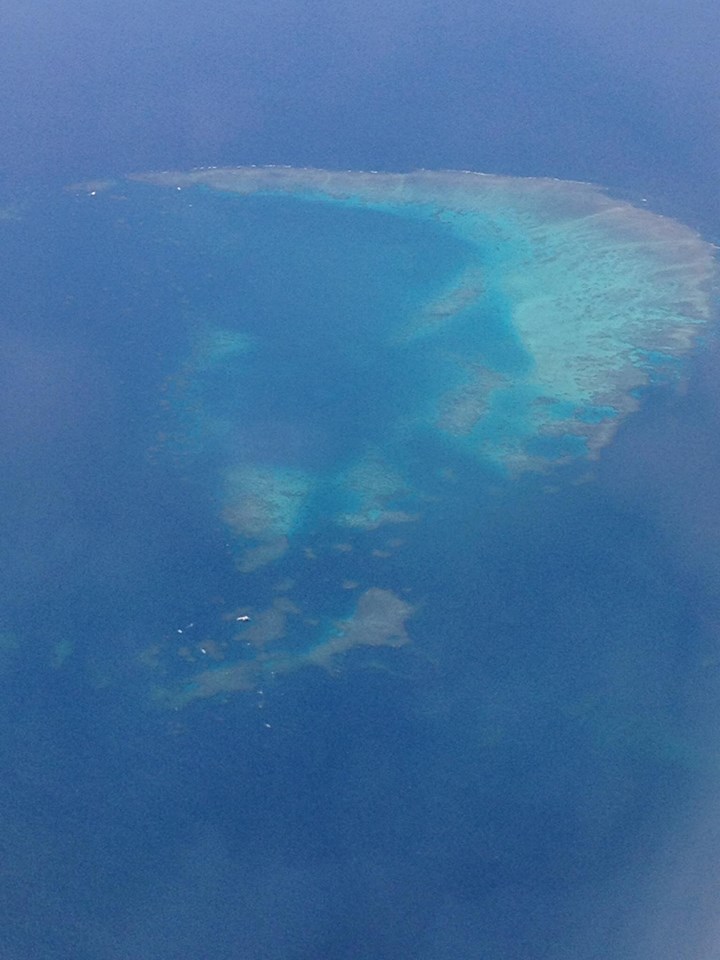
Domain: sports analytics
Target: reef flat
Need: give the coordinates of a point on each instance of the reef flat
(594, 288)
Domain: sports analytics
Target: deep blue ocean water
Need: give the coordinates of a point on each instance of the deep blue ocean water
(534, 776)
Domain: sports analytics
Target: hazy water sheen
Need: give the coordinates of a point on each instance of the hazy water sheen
(304, 593)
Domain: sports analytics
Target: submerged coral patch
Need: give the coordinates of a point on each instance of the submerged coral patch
(378, 620)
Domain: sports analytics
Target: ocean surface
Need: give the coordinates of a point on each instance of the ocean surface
(521, 762)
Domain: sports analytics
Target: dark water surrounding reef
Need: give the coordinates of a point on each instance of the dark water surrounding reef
(533, 775)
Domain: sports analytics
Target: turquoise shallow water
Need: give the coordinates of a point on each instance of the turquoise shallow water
(319, 292)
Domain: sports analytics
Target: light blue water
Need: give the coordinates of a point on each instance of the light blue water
(320, 291)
